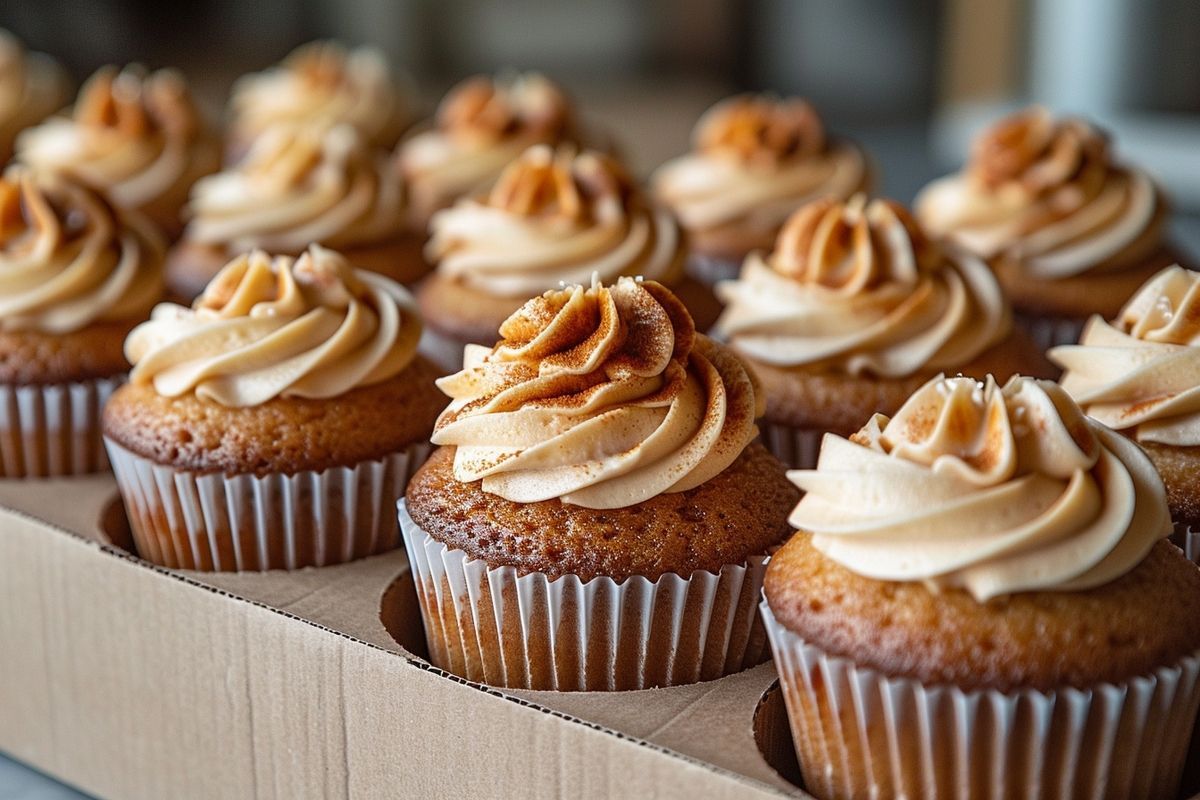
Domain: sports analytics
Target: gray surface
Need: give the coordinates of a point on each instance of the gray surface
(19, 782)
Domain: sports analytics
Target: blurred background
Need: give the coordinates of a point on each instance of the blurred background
(912, 79)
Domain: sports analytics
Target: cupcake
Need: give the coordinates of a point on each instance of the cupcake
(980, 602)
(597, 466)
(853, 311)
(76, 274)
(298, 185)
(32, 87)
(1140, 374)
(136, 136)
(553, 217)
(755, 160)
(274, 423)
(322, 84)
(1069, 230)
(481, 126)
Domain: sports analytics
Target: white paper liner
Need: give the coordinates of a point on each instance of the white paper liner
(1188, 540)
(797, 448)
(709, 269)
(54, 429)
(529, 631)
(1048, 331)
(444, 351)
(236, 523)
(895, 737)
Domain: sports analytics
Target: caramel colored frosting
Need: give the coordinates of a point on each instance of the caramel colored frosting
(481, 126)
(755, 159)
(1047, 194)
(322, 84)
(857, 287)
(32, 87)
(69, 259)
(555, 217)
(602, 397)
(278, 327)
(992, 490)
(134, 135)
(1141, 372)
(297, 185)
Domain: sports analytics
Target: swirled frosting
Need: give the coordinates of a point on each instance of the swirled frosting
(555, 217)
(32, 87)
(1047, 194)
(136, 136)
(297, 185)
(602, 397)
(323, 85)
(278, 327)
(857, 287)
(1141, 372)
(69, 259)
(481, 126)
(991, 490)
(755, 159)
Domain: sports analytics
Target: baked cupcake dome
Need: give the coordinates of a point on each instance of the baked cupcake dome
(34, 86)
(755, 159)
(1069, 229)
(554, 217)
(299, 184)
(290, 399)
(602, 447)
(985, 549)
(76, 274)
(856, 308)
(135, 135)
(481, 126)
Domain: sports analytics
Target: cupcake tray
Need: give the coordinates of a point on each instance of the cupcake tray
(129, 680)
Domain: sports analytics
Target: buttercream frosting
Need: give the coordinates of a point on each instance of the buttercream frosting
(32, 87)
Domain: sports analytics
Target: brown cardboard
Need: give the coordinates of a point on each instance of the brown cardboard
(128, 680)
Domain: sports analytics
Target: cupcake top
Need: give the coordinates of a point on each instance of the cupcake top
(1140, 373)
(555, 216)
(322, 84)
(754, 160)
(481, 125)
(991, 490)
(69, 259)
(266, 327)
(602, 397)
(857, 287)
(134, 135)
(1047, 194)
(32, 87)
(299, 184)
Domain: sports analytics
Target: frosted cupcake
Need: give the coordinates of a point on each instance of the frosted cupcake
(1068, 228)
(853, 311)
(274, 424)
(32, 87)
(980, 602)
(136, 136)
(1140, 374)
(298, 185)
(321, 84)
(599, 458)
(76, 274)
(481, 126)
(553, 217)
(755, 159)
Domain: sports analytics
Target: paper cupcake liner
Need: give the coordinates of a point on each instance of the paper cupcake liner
(53, 430)
(1188, 540)
(710, 270)
(444, 351)
(797, 448)
(1048, 331)
(859, 733)
(236, 523)
(530, 631)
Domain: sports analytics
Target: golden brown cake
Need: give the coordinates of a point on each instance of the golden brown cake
(605, 446)
(985, 548)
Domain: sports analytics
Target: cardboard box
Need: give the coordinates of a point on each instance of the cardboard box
(132, 681)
